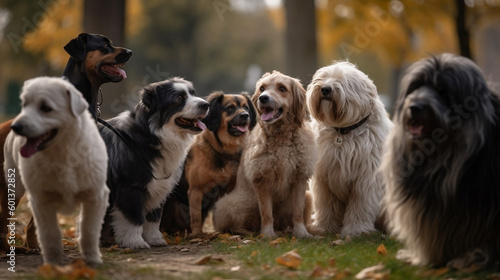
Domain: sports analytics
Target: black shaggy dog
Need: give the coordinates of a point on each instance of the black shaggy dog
(146, 153)
(442, 165)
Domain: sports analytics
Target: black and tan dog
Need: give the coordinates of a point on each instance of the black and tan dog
(93, 61)
(212, 163)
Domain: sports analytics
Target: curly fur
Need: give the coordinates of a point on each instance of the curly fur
(441, 165)
(346, 186)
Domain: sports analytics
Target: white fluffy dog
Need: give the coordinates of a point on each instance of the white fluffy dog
(351, 125)
(58, 156)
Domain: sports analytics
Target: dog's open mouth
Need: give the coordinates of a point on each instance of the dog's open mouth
(270, 114)
(113, 71)
(36, 144)
(238, 129)
(192, 124)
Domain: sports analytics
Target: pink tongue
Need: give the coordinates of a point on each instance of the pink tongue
(201, 125)
(242, 128)
(267, 116)
(116, 71)
(30, 148)
(416, 130)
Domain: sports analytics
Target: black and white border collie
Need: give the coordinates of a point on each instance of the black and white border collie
(145, 159)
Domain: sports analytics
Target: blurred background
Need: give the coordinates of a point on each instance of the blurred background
(228, 44)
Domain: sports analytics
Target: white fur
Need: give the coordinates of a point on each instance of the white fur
(346, 187)
(69, 172)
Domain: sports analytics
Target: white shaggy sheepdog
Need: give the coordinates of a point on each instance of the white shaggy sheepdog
(351, 125)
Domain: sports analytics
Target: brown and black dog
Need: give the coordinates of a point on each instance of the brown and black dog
(212, 163)
(93, 61)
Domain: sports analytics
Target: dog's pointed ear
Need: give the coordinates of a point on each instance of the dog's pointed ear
(77, 103)
(77, 47)
(251, 110)
(214, 117)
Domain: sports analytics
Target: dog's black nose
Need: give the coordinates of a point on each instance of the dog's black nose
(17, 127)
(326, 90)
(263, 99)
(244, 116)
(124, 55)
(204, 106)
(416, 109)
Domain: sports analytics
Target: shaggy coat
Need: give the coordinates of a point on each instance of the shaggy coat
(441, 165)
(54, 151)
(351, 125)
(272, 177)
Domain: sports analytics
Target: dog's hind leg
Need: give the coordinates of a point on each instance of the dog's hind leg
(152, 234)
(90, 226)
(127, 234)
(298, 202)
(48, 232)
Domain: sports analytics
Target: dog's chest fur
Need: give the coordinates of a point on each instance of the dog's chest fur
(280, 159)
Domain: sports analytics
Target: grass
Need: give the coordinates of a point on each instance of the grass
(341, 261)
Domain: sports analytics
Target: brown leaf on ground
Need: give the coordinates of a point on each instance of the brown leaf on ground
(348, 239)
(320, 271)
(381, 250)
(68, 243)
(113, 248)
(254, 253)
(78, 269)
(277, 241)
(337, 242)
(332, 262)
(290, 259)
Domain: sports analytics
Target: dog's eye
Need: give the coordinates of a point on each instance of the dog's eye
(246, 107)
(182, 96)
(192, 92)
(282, 89)
(106, 46)
(45, 108)
(230, 108)
(262, 88)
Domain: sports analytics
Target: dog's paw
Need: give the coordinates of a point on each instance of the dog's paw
(134, 242)
(93, 259)
(358, 229)
(300, 231)
(268, 231)
(154, 238)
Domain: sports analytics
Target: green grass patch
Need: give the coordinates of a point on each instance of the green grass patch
(344, 261)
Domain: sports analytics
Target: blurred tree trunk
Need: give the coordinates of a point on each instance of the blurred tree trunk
(300, 39)
(107, 18)
(462, 30)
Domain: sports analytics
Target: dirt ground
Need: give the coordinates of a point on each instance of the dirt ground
(170, 262)
(175, 261)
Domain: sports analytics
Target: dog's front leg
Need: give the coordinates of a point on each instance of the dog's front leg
(91, 220)
(265, 201)
(362, 209)
(48, 232)
(195, 204)
(152, 234)
(299, 201)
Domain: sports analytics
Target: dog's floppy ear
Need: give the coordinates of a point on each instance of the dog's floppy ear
(77, 103)
(298, 107)
(148, 96)
(214, 117)
(77, 48)
(251, 111)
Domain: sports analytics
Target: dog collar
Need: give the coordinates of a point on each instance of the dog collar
(346, 130)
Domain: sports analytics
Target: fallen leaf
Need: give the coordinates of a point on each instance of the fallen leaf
(196, 240)
(234, 238)
(224, 236)
(277, 241)
(254, 253)
(68, 243)
(320, 271)
(235, 268)
(290, 259)
(185, 250)
(248, 241)
(343, 274)
(113, 248)
(348, 239)
(337, 242)
(382, 250)
(372, 272)
(127, 251)
(77, 269)
(332, 262)
(204, 260)
(293, 240)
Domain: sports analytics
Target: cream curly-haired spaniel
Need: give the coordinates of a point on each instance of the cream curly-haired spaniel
(351, 125)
